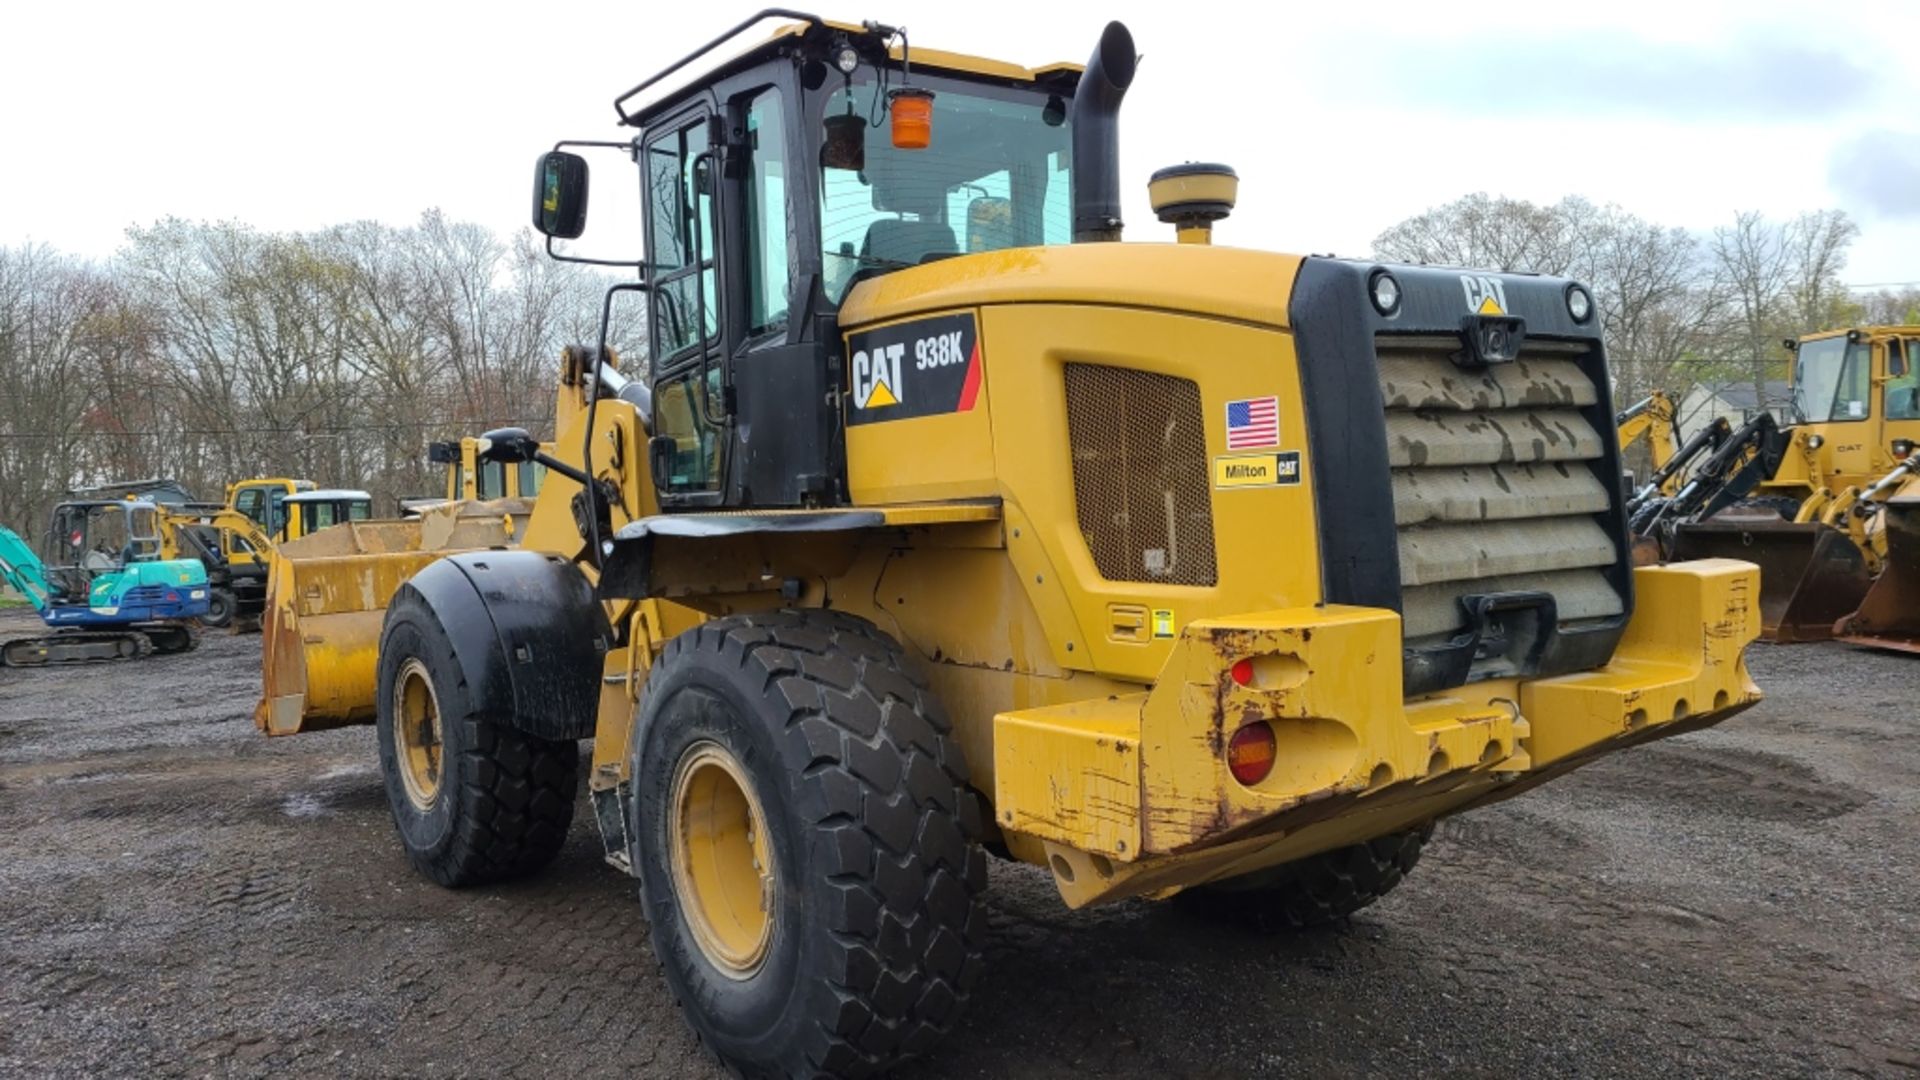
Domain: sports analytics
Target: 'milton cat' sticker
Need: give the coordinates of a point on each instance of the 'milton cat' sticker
(921, 368)
(1256, 470)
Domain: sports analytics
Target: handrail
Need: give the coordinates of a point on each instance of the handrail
(619, 103)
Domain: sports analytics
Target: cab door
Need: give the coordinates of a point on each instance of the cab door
(744, 382)
(265, 504)
(681, 175)
(1900, 395)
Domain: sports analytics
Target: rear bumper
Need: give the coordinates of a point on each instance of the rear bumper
(1131, 795)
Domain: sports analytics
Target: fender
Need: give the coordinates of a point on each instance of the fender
(528, 635)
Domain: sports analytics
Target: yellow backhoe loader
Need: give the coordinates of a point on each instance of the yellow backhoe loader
(236, 541)
(1792, 506)
(1651, 419)
(937, 523)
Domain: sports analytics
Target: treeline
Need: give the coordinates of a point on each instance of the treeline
(209, 352)
(1678, 308)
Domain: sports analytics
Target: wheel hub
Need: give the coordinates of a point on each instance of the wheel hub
(416, 733)
(721, 860)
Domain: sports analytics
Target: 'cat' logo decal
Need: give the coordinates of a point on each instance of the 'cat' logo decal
(924, 367)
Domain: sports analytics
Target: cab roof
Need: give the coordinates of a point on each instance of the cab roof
(1864, 331)
(329, 495)
(797, 25)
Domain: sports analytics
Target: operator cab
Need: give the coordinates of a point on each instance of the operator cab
(309, 511)
(88, 538)
(823, 156)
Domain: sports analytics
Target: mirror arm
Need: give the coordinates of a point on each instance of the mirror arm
(561, 467)
(639, 265)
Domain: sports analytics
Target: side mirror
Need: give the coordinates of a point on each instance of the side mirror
(560, 195)
(443, 453)
(989, 223)
(845, 144)
(509, 446)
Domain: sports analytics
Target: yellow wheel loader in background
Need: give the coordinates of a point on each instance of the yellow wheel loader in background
(473, 480)
(1805, 522)
(936, 524)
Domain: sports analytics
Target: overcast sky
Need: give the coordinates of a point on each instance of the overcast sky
(1341, 118)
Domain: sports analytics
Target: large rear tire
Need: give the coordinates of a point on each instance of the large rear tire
(1316, 890)
(475, 801)
(806, 843)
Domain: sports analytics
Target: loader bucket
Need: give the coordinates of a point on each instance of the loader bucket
(1889, 616)
(1810, 574)
(327, 599)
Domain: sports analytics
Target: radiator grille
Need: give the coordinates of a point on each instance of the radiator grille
(143, 596)
(1493, 490)
(1140, 481)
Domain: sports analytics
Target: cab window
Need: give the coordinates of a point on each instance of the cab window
(681, 209)
(1902, 397)
(492, 476)
(995, 176)
(767, 270)
(253, 503)
(532, 475)
(1832, 379)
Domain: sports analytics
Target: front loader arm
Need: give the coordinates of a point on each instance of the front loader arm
(24, 570)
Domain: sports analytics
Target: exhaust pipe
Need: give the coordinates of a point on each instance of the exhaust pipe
(1096, 136)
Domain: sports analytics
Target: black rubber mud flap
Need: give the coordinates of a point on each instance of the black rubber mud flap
(528, 634)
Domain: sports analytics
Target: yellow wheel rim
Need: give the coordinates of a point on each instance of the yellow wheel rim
(722, 865)
(416, 733)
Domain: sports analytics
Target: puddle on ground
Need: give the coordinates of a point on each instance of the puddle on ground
(304, 806)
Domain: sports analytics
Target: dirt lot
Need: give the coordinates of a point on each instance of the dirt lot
(182, 896)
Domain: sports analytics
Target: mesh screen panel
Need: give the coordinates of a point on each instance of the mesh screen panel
(1140, 475)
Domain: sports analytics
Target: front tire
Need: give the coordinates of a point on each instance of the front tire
(806, 844)
(1317, 890)
(474, 801)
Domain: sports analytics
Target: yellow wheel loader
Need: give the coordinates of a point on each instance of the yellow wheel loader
(937, 524)
(1856, 418)
(471, 479)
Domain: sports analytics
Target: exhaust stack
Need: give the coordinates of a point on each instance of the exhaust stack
(1096, 136)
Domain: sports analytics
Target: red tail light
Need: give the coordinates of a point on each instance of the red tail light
(1242, 671)
(1250, 752)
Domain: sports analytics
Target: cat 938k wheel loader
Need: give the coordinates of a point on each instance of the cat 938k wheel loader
(937, 523)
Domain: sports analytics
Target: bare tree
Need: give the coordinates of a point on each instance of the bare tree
(1755, 265)
(1816, 245)
(1652, 285)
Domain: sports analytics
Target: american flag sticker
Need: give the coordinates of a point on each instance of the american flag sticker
(1253, 422)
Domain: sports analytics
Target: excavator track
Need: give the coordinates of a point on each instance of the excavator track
(75, 647)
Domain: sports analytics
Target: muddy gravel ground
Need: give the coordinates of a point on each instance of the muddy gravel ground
(179, 895)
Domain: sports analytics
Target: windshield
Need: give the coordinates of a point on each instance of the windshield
(1830, 380)
(995, 176)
